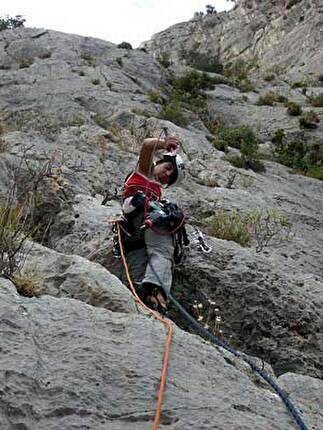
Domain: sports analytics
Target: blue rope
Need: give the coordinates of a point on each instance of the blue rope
(217, 341)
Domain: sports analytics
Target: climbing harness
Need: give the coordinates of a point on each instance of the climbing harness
(198, 238)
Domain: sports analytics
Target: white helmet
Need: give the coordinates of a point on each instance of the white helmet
(179, 168)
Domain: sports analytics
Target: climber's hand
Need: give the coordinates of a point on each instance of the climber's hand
(172, 144)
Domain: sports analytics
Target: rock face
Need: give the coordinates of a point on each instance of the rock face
(73, 113)
(76, 277)
(286, 34)
(65, 364)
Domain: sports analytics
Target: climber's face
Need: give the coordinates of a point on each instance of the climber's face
(163, 171)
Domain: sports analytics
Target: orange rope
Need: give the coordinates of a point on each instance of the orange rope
(168, 342)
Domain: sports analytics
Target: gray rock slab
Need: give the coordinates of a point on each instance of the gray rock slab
(275, 37)
(264, 310)
(64, 275)
(65, 364)
(308, 393)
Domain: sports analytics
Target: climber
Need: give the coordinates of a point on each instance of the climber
(151, 222)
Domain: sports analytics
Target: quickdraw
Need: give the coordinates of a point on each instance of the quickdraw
(198, 238)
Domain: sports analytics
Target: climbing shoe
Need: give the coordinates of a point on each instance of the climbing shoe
(152, 296)
(156, 300)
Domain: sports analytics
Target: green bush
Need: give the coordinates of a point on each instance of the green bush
(270, 98)
(155, 97)
(164, 59)
(188, 92)
(238, 70)
(235, 136)
(316, 101)
(309, 119)
(249, 148)
(172, 112)
(242, 138)
(200, 61)
(281, 99)
(258, 227)
(291, 154)
(242, 162)
(255, 164)
(299, 84)
(304, 159)
(245, 86)
(237, 161)
(193, 82)
(315, 172)
(230, 226)
(210, 9)
(269, 77)
(88, 58)
(220, 144)
(293, 108)
(315, 154)
(124, 45)
(9, 23)
(101, 121)
(278, 138)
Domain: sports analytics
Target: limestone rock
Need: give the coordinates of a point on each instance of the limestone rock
(65, 364)
(76, 357)
(73, 276)
(272, 34)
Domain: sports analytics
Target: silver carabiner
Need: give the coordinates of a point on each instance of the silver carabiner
(204, 247)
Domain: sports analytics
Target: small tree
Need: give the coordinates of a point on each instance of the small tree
(210, 9)
(9, 23)
(124, 45)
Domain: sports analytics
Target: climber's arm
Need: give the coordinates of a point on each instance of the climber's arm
(149, 147)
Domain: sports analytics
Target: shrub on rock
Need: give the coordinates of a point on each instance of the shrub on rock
(293, 108)
(258, 227)
(309, 119)
(124, 45)
(270, 98)
(9, 23)
(316, 101)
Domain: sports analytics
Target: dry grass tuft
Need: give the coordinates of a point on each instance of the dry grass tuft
(28, 284)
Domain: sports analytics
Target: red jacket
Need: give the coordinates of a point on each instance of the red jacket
(138, 182)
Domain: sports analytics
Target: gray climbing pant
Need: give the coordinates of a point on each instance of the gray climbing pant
(154, 263)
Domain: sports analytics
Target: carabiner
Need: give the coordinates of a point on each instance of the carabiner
(204, 247)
